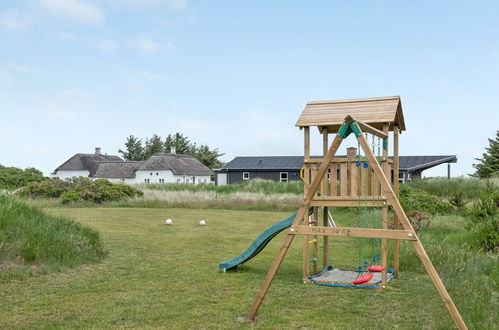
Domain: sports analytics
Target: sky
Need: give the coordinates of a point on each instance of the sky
(235, 75)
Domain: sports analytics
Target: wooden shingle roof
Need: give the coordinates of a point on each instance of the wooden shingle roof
(372, 111)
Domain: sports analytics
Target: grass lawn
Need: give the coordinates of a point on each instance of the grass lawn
(167, 276)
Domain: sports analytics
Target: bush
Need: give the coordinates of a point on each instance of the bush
(28, 236)
(458, 191)
(419, 220)
(85, 190)
(13, 177)
(484, 218)
(79, 190)
(413, 199)
(52, 188)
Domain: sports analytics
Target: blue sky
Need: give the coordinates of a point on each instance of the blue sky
(235, 75)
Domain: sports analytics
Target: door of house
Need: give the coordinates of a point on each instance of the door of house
(221, 179)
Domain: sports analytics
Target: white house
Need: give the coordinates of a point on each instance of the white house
(159, 168)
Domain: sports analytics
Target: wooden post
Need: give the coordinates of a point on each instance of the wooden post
(396, 222)
(303, 211)
(306, 182)
(384, 212)
(397, 208)
(325, 246)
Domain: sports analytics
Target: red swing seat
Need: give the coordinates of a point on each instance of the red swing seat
(376, 268)
(363, 278)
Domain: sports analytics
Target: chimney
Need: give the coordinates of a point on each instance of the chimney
(172, 150)
(352, 152)
(97, 151)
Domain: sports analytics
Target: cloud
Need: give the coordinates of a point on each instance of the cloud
(149, 45)
(16, 20)
(148, 4)
(74, 10)
(107, 44)
(149, 75)
(17, 68)
(68, 36)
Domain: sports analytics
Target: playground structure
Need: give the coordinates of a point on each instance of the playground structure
(364, 182)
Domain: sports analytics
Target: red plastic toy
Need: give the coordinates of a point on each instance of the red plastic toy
(363, 278)
(376, 268)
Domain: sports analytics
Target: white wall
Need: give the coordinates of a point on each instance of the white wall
(169, 177)
(154, 176)
(62, 174)
(120, 180)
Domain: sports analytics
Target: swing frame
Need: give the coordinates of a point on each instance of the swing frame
(317, 178)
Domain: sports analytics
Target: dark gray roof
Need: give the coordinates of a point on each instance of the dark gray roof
(412, 163)
(407, 163)
(178, 164)
(117, 169)
(81, 162)
(265, 163)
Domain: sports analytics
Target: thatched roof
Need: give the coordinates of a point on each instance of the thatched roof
(178, 164)
(117, 169)
(88, 162)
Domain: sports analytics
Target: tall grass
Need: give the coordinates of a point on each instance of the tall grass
(457, 190)
(265, 187)
(473, 273)
(212, 200)
(32, 241)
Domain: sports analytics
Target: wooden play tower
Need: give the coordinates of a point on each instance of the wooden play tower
(331, 182)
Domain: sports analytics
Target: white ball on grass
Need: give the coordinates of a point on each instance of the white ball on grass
(202, 223)
(168, 222)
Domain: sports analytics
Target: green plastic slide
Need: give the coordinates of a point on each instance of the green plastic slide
(258, 244)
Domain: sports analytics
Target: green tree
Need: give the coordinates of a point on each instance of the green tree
(153, 146)
(208, 157)
(488, 165)
(133, 149)
(181, 143)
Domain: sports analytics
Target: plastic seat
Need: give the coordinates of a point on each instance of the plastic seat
(376, 268)
(363, 278)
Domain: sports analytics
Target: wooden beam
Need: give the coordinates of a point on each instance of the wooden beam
(289, 238)
(335, 160)
(325, 220)
(384, 213)
(368, 128)
(388, 191)
(353, 232)
(396, 222)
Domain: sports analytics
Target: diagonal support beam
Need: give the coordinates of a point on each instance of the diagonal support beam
(388, 191)
(299, 218)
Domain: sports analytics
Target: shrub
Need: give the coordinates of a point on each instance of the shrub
(419, 220)
(458, 191)
(52, 188)
(413, 199)
(484, 218)
(28, 236)
(13, 177)
(85, 190)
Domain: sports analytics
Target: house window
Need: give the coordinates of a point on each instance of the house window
(284, 177)
(161, 180)
(146, 180)
(123, 180)
(199, 180)
(246, 176)
(205, 180)
(151, 173)
(178, 180)
(157, 173)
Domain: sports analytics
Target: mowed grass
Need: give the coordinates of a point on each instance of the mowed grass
(167, 276)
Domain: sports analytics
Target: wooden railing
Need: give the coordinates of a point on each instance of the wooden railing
(345, 184)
